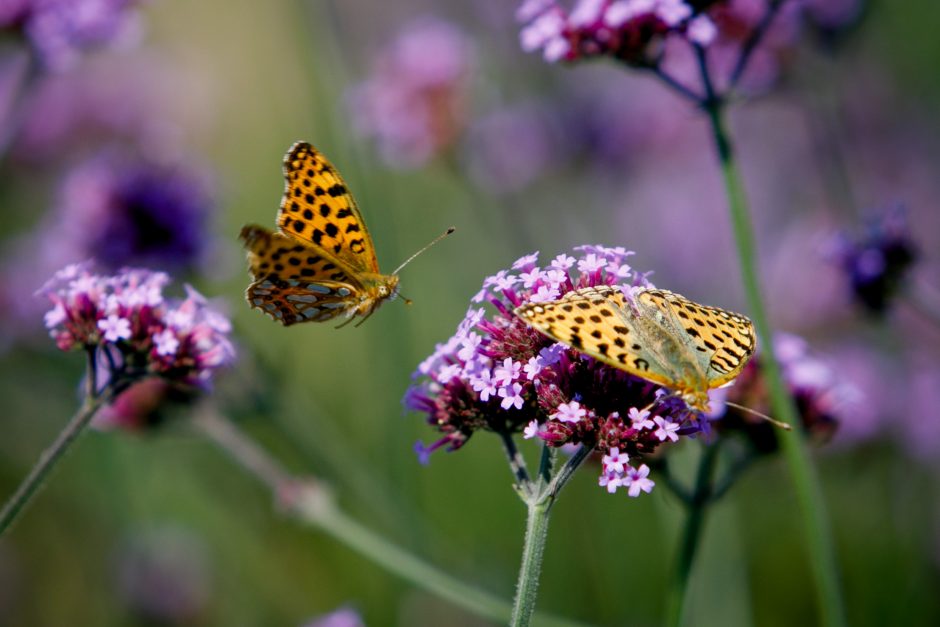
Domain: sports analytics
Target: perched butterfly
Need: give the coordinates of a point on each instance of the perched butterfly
(657, 335)
(321, 263)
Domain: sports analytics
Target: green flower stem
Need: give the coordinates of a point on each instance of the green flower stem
(536, 535)
(695, 517)
(809, 494)
(51, 456)
(313, 504)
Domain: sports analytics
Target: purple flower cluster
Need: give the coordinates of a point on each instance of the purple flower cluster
(498, 374)
(128, 319)
(124, 210)
(877, 263)
(657, 33)
(823, 398)
(413, 104)
(628, 30)
(61, 30)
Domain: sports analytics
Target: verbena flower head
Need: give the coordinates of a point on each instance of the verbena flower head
(653, 33)
(60, 31)
(127, 319)
(876, 263)
(628, 30)
(413, 104)
(498, 374)
(823, 398)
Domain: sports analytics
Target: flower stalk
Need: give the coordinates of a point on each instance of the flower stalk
(812, 504)
(539, 497)
(312, 503)
(94, 401)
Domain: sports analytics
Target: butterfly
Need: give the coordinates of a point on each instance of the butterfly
(321, 263)
(655, 334)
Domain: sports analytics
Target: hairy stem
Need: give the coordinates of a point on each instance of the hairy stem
(536, 533)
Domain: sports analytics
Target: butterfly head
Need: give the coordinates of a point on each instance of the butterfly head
(388, 290)
(696, 400)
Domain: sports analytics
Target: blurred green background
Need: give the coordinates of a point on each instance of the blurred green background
(238, 82)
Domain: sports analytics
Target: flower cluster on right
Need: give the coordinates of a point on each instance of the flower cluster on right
(498, 374)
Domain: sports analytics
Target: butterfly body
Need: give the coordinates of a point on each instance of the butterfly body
(321, 264)
(655, 334)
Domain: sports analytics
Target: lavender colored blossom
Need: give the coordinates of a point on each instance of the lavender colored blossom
(876, 263)
(124, 210)
(514, 379)
(126, 318)
(824, 398)
(118, 210)
(663, 33)
(60, 31)
(627, 30)
(413, 104)
(343, 617)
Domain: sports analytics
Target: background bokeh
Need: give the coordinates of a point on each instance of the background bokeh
(193, 105)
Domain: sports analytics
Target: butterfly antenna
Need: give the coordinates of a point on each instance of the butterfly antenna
(432, 242)
(775, 423)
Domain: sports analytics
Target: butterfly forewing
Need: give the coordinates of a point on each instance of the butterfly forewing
(598, 322)
(318, 207)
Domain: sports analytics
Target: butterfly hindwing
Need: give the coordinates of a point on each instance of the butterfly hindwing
(656, 335)
(290, 302)
(722, 341)
(317, 207)
(293, 282)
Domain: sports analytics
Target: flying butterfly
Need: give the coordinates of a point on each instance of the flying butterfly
(321, 263)
(655, 334)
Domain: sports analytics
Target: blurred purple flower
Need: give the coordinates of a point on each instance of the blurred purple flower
(877, 263)
(124, 211)
(343, 617)
(126, 317)
(511, 148)
(824, 396)
(651, 33)
(59, 31)
(627, 30)
(119, 210)
(112, 100)
(163, 575)
(142, 406)
(498, 374)
(414, 104)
